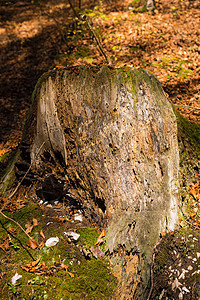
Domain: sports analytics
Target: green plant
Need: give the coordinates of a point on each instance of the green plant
(175, 65)
(14, 245)
(13, 288)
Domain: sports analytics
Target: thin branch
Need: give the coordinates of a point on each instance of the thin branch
(15, 190)
(16, 224)
(73, 9)
(18, 241)
(96, 38)
(84, 18)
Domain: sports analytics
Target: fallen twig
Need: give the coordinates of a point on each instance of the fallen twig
(84, 17)
(17, 240)
(16, 224)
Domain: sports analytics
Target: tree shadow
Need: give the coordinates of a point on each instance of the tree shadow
(21, 66)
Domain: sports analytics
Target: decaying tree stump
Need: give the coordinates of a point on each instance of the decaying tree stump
(110, 135)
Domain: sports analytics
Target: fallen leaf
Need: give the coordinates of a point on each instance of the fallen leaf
(100, 240)
(42, 234)
(25, 268)
(5, 245)
(196, 224)
(34, 263)
(32, 243)
(60, 67)
(192, 216)
(63, 266)
(35, 222)
(29, 229)
(12, 230)
(162, 234)
(61, 219)
(71, 274)
(41, 245)
(37, 269)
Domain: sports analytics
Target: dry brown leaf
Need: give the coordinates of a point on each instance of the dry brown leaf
(35, 268)
(35, 222)
(2, 274)
(34, 263)
(63, 266)
(162, 234)
(196, 224)
(61, 219)
(193, 192)
(71, 274)
(12, 230)
(19, 204)
(5, 245)
(25, 268)
(42, 234)
(192, 216)
(60, 67)
(32, 243)
(29, 229)
(41, 245)
(100, 240)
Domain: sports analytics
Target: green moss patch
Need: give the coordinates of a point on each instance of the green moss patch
(88, 236)
(84, 278)
(190, 132)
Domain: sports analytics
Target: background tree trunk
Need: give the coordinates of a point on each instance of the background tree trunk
(110, 136)
(150, 5)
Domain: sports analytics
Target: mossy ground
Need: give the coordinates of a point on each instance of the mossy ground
(90, 278)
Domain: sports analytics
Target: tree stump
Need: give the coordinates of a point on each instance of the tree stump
(110, 137)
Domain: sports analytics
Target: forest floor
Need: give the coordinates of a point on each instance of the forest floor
(36, 36)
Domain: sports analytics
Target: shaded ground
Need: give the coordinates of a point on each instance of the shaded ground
(36, 36)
